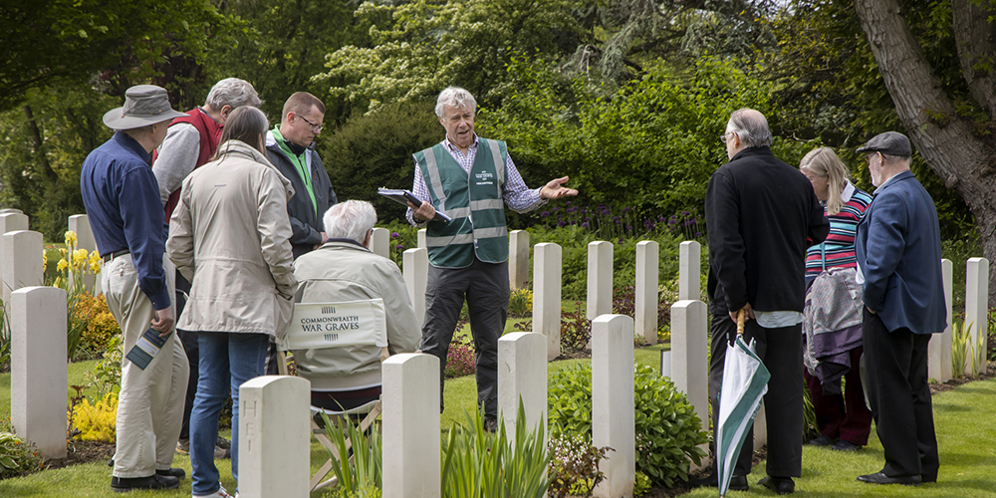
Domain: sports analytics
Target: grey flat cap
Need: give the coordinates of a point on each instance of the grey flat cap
(144, 105)
(891, 143)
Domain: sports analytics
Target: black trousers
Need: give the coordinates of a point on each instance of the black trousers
(485, 288)
(899, 395)
(781, 351)
(189, 340)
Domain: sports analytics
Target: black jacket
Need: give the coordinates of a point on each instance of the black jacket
(306, 224)
(761, 215)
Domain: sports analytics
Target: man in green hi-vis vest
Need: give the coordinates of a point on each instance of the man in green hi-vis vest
(469, 179)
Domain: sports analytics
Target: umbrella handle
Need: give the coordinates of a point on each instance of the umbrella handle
(741, 318)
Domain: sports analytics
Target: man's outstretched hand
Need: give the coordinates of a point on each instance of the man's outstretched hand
(555, 189)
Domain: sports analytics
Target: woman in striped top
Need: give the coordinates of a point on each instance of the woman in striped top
(839, 416)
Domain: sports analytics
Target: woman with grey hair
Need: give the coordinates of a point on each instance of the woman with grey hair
(231, 226)
(833, 332)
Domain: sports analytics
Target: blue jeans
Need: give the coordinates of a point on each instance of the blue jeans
(223, 356)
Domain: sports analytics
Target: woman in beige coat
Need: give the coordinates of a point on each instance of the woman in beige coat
(229, 236)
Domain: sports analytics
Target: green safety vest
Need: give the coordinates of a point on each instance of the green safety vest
(473, 201)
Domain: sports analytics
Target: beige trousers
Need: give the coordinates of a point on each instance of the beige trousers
(150, 405)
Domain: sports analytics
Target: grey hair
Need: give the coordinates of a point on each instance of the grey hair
(750, 126)
(232, 92)
(350, 220)
(456, 97)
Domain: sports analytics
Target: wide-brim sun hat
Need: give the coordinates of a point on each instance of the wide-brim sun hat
(144, 105)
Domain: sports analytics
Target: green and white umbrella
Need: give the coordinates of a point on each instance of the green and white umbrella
(745, 380)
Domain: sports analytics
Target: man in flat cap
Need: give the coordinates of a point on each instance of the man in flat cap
(898, 249)
(121, 196)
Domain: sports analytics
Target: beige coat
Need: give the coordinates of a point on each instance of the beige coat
(343, 271)
(229, 235)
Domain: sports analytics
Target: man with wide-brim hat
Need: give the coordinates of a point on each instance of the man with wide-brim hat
(121, 196)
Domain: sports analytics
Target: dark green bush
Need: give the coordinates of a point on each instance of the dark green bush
(667, 429)
(375, 150)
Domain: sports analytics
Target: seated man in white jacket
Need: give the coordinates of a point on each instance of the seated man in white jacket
(343, 270)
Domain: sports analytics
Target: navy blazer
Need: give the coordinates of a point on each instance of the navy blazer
(898, 246)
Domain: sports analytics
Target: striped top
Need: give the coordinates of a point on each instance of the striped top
(837, 251)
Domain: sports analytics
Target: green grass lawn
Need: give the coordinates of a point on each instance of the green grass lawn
(963, 417)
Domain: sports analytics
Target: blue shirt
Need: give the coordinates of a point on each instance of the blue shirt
(121, 196)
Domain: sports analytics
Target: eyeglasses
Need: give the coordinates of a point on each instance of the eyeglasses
(871, 156)
(722, 138)
(315, 128)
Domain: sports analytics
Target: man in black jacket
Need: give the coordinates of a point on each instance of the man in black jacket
(761, 215)
(290, 147)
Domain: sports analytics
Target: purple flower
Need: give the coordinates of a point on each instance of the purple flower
(587, 218)
(629, 227)
(544, 214)
(561, 223)
(399, 247)
(626, 209)
(698, 234)
(584, 225)
(685, 213)
(672, 221)
(620, 240)
(689, 223)
(568, 203)
(615, 218)
(394, 235)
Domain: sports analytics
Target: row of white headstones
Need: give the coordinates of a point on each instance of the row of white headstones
(274, 457)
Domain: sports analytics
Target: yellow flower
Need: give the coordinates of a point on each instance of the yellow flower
(95, 262)
(70, 239)
(63, 264)
(79, 258)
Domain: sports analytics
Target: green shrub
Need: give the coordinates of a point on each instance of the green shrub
(520, 303)
(375, 150)
(361, 476)
(574, 466)
(17, 457)
(667, 428)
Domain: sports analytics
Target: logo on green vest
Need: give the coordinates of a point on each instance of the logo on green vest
(484, 178)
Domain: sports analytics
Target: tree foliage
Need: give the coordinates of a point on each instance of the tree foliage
(420, 47)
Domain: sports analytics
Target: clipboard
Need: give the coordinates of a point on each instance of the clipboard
(402, 196)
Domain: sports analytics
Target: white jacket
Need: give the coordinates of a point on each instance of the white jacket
(229, 236)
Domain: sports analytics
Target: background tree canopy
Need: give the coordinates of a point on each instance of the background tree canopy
(628, 97)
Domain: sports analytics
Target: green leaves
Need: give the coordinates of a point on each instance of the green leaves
(667, 429)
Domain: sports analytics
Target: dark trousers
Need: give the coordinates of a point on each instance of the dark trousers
(189, 340)
(781, 351)
(843, 416)
(897, 387)
(486, 290)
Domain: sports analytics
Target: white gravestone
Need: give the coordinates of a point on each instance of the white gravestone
(689, 270)
(518, 258)
(546, 295)
(411, 461)
(39, 375)
(80, 225)
(689, 356)
(415, 266)
(613, 417)
(521, 361)
(380, 242)
(599, 279)
(977, 306)
(10, 221)
(420, 239)
(647, 297)
(274, 437)
(939, 348)
(22, 261)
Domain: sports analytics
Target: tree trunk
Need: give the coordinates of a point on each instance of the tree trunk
(37, 145)
(948, 143)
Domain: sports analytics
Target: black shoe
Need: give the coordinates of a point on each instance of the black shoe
(844, 445)
(881, 478)
(924, 478)
(780, 485)
(821, 441)
(172, 471)
(155, 481)
(706, 481)
(490, 424)
(739, 483)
